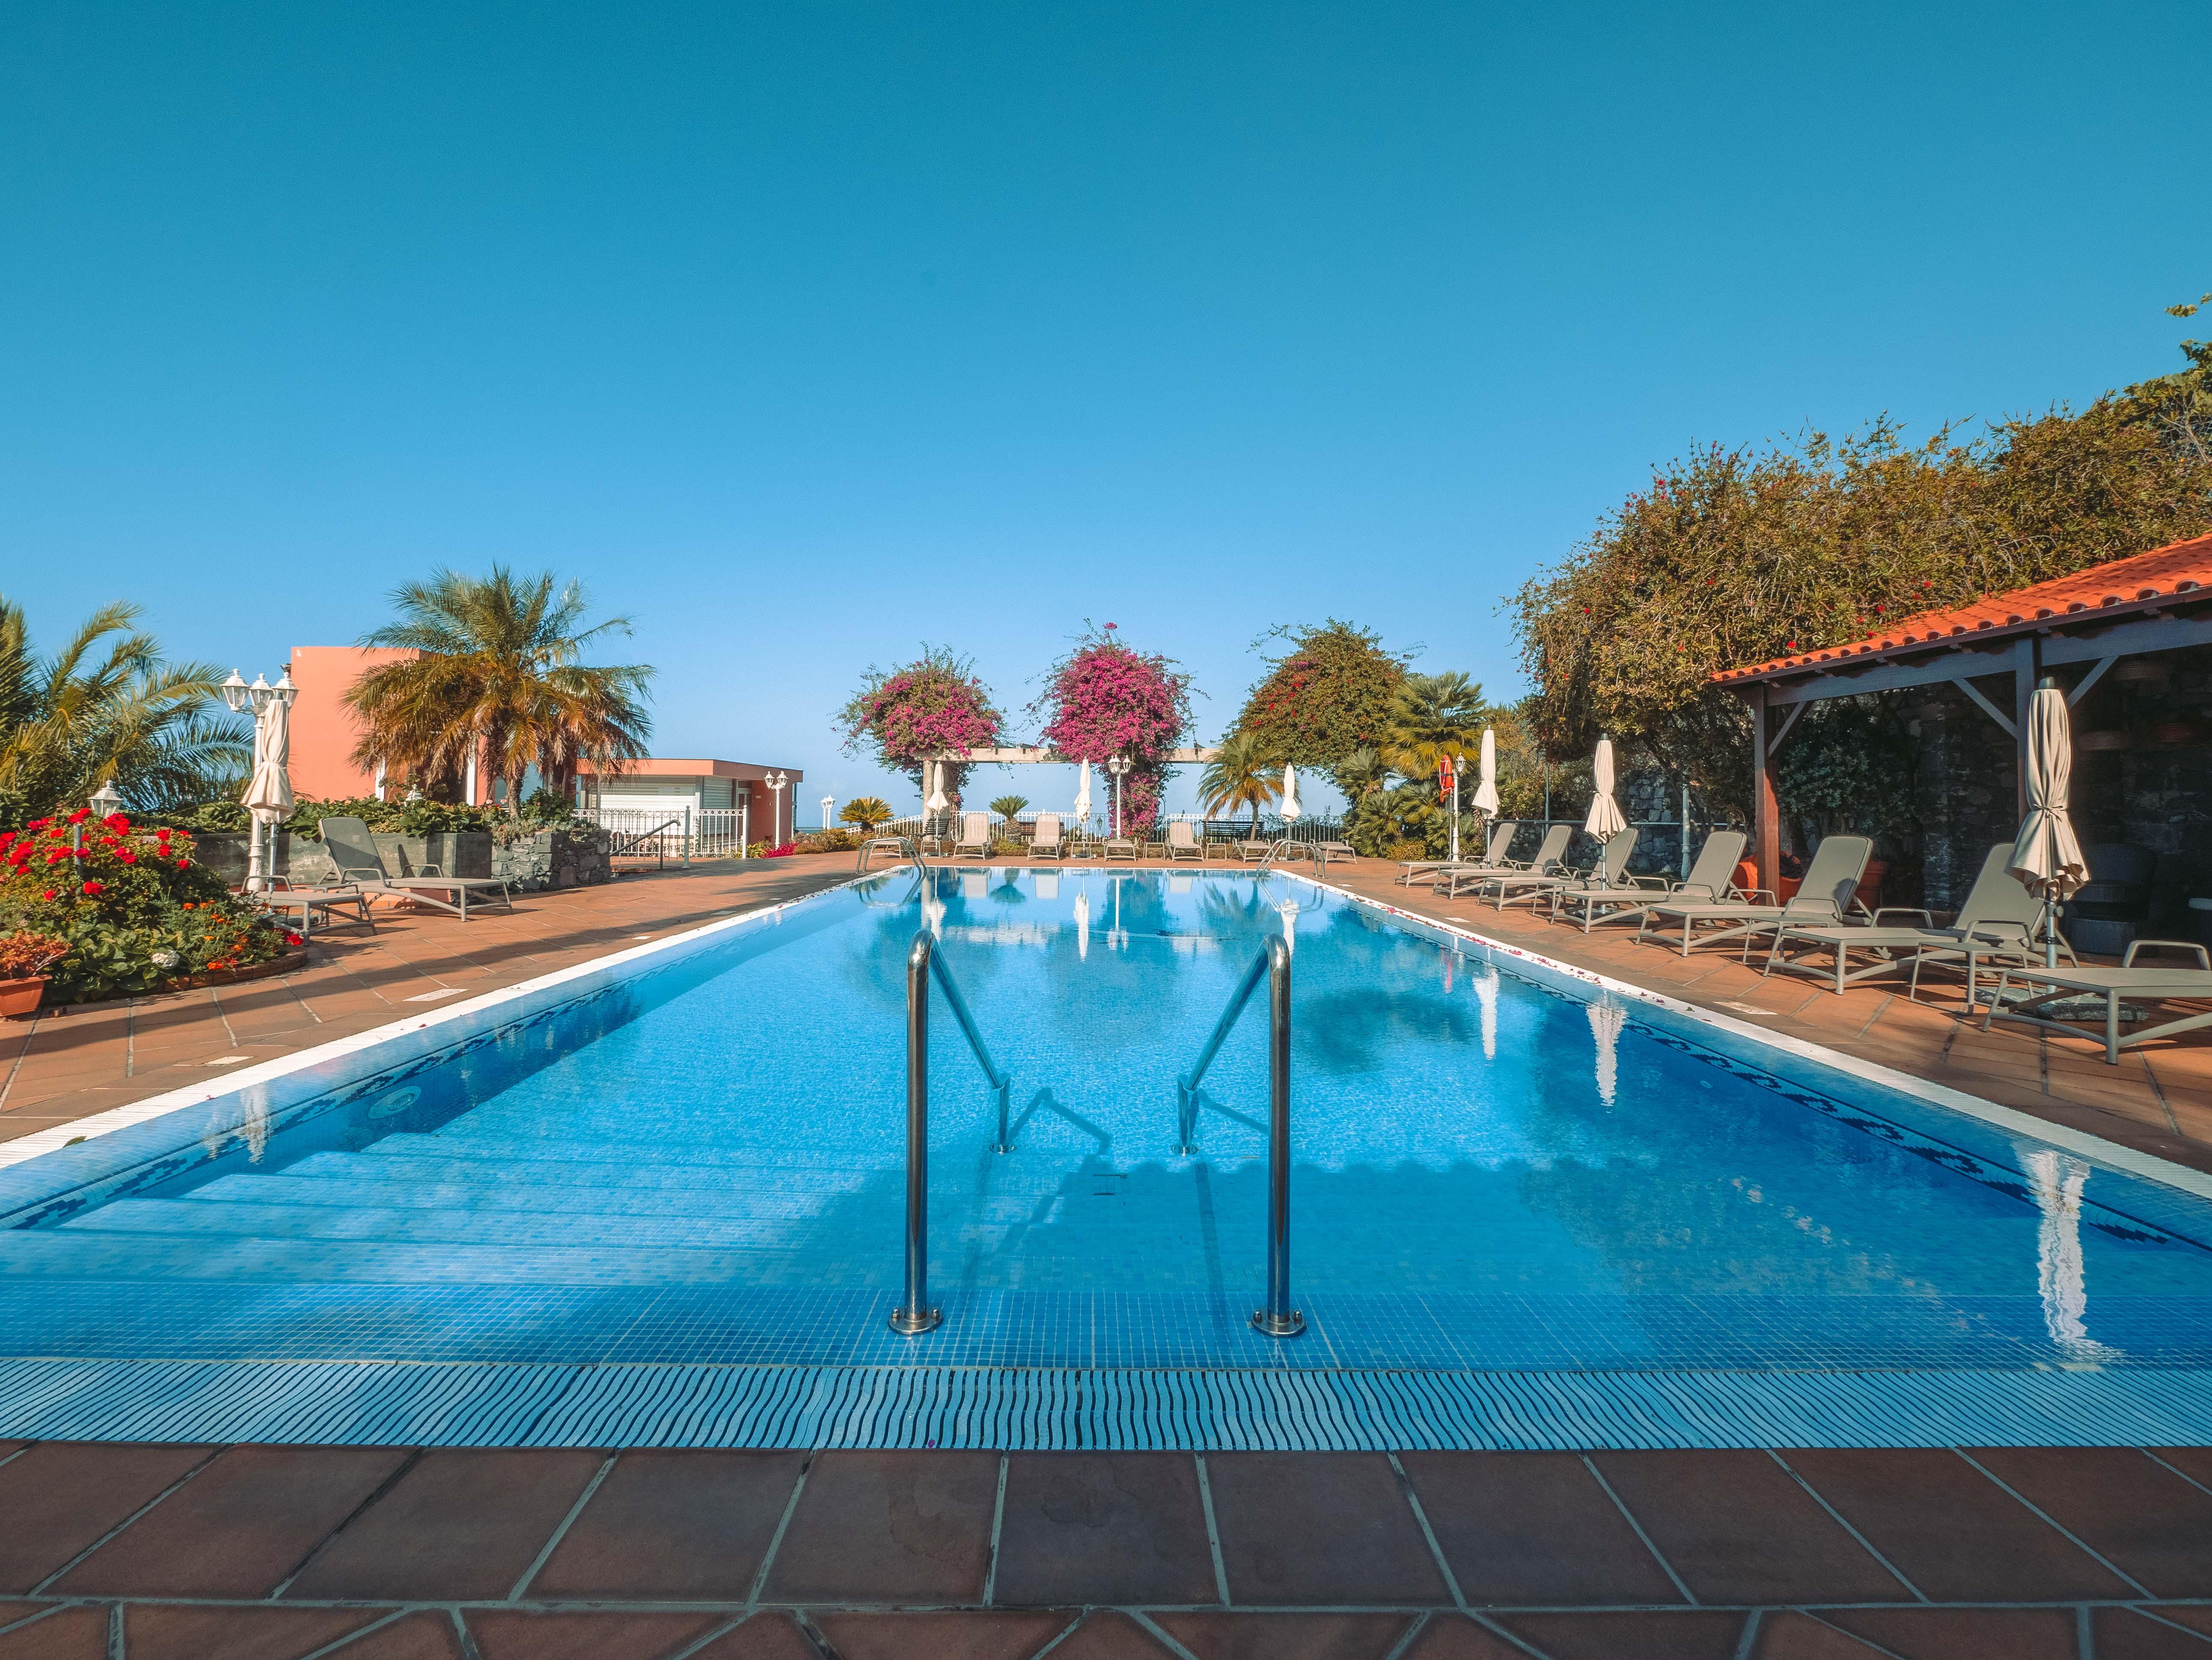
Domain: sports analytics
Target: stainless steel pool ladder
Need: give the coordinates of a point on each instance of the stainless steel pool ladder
(1286, 845)
(1278, 1318)
(916, 1315)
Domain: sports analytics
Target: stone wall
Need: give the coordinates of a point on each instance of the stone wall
(554, 859)
(469, 854)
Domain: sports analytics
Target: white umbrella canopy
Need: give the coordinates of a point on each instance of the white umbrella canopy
(1486, 792)
(1083, 796)
(269, 792)
(2046, 859)
(1291, 809)
(1605, 821)
(936, 803)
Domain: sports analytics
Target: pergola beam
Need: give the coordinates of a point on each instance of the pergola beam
(1029, 755)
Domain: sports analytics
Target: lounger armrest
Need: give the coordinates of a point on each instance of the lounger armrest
(1749, 894)
(357, 873)
(1926, 916)
(2204, 957)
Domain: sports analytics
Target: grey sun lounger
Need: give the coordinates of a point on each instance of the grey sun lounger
(1411, 870)
(1626, 900)
(1246, 851)
(1045, 840)
(1121, 847)
(1183, 842)
(2125, 984)
(1999, 923)
(353, 850)
(1533, 886)
(1450, 880)
(1826, 898)
(975, 835)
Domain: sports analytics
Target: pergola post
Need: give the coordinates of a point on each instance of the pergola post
(1766, 806)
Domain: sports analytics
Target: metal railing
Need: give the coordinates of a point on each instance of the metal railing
(1278, 1318)
(916, 1315)
(649, 843)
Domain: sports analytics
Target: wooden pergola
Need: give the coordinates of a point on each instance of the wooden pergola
(2073, 628)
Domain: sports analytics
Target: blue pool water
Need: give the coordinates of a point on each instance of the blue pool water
(703, 1163)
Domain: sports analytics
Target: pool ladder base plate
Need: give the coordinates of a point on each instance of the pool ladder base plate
(916, 1323)
(1277, 1325)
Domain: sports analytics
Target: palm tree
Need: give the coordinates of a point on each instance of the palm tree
(1248, 773)
(84, 718)
(498, 678)
(1433, 715)
(866, 811)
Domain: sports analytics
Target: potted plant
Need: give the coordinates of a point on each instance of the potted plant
(24, 959)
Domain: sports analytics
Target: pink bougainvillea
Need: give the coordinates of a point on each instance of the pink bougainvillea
(1104, 699)
(932, 706)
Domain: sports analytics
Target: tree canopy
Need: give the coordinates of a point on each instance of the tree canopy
(1326, 693)
(935, 705)
(1104, 698)
(1734, 556)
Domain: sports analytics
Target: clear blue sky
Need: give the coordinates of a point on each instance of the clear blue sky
(807, 333)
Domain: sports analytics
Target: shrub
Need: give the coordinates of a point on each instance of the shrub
(135, 908)
(1104, 699)
(1007, 805)
(835, 841)
(866, 810)
(25, 956)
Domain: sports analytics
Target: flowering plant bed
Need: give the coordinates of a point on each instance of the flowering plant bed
(134, 908)
(1105, 699)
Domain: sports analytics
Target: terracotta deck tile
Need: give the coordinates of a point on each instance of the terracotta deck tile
(1533, 1527)
(1109, 1636)
(458, 1524)
(1964, 1633)
(767, 1636)
(1286, 1636)
(2123, 1634)
(890, 1527)
(2148, 1521)
(239, 1527)
(1123, 1527)
(71, 1634)
(1686, 1636)
(202, 1633)
(1738, 1529)
(1792, 1636)
(674, 1524)
(1319, 1527)
(58, 1500)
(939, 1636)
(1951, 1531)
(586, 1636)
(417, 1637)
(1453, 1637)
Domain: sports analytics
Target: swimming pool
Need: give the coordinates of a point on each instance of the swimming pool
(693, 1161)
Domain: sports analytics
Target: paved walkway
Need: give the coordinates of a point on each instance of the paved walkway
(246, 1552)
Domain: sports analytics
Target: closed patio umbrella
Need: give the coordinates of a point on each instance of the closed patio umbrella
(2046, 859)
(269, 792)
(1486, 792)
(1605, 821)
(1291, 810)
(1083, 797)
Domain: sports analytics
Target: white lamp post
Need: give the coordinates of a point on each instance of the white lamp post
(778, 784)
(1117, 765)
(826, 801)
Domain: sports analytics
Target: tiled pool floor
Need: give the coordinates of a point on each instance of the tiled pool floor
(254, 1553)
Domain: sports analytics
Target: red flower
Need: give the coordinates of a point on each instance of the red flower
(38, 823)
(294, 939)
(181, 863)
(54, 856)
(80, 815)
(95, 887)
(116, 821)
(128, 857)
(50, 893)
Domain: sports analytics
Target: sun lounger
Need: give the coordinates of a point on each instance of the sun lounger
(1627, 899)
(2128, 983)
(1045, 843)
(1183, 842)
(1533, 885)
(353, 850)
(975, 835)
(1411, 870)
(1998, 923)
(1449, 881)
(1826, 898)
(323, 901)
(1247, 852)
(1120, 847)
(1337, 852)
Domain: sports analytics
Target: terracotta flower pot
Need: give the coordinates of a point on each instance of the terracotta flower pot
(21, 997)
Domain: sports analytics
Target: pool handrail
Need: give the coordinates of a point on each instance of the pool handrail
(914, 1315)
(1278, 1318)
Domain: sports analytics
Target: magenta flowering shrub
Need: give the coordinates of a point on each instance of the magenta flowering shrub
(932, 705)
(1104, 699)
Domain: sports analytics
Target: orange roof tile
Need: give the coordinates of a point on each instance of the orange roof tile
(2128, 584)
